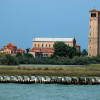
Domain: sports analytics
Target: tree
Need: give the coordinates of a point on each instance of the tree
(18, 54)
(73, 52)
(61, 49)
(29, 55)
(27, 50)
(7, 59)
(84, 52)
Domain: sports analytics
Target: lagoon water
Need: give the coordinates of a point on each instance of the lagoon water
(49, 92)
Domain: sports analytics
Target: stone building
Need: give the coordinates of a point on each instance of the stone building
(11, 49)
(44, 46)
(94, 33)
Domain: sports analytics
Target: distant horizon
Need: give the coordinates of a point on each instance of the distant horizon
(22, 20)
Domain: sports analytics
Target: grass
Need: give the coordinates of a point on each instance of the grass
(71, 71)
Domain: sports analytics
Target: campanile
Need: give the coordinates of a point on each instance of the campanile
(94, 33)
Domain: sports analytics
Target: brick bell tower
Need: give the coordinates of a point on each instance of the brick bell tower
(94, 33)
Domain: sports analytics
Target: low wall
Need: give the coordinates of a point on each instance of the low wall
(50, 80)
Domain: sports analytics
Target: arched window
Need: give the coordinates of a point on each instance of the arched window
(11, 52)
(49, 45)
(46, 45)
(42, 45)
(35, 45)
(38, 45)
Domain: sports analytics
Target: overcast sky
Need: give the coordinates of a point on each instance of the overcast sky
(21, 20)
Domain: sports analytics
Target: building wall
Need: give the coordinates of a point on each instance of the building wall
(33, 53)
(78, 48)
(8, 51)
(93, 42)
(99, 31)
(40, 44)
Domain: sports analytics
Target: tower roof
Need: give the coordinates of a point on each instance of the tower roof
(94, 10)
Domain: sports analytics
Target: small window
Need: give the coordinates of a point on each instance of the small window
(93, 14)
(35, 45)
(90, 19)
(90, 26)
(38, 45)
(46, 45)
(42, 45)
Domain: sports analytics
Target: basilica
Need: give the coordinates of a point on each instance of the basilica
(44, 46)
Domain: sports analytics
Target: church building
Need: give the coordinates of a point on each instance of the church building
(11, 49)
(44, 46)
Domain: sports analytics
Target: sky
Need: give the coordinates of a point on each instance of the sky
(22, 20)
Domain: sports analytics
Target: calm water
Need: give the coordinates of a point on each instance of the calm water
(49, 92)
(44, 65)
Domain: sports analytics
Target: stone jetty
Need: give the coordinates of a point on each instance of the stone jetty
(50, 80)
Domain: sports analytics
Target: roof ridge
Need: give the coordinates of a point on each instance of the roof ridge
(54, 39)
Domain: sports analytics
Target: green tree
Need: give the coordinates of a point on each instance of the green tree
(7, 59)
(61, 49)
(28, 55)
(27, 50)
(18, 54)
(84, 52)
(73, 52)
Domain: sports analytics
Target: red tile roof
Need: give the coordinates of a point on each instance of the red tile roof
(94, 10)
(47, 50)
(10, 44)
(20, 49)
(44, 50)
(77, 45)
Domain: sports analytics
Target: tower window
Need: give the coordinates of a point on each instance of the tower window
(93, 14)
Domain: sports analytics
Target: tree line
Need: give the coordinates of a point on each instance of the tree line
(63, 55)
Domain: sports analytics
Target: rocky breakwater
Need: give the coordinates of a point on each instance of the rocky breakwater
(50, 80)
